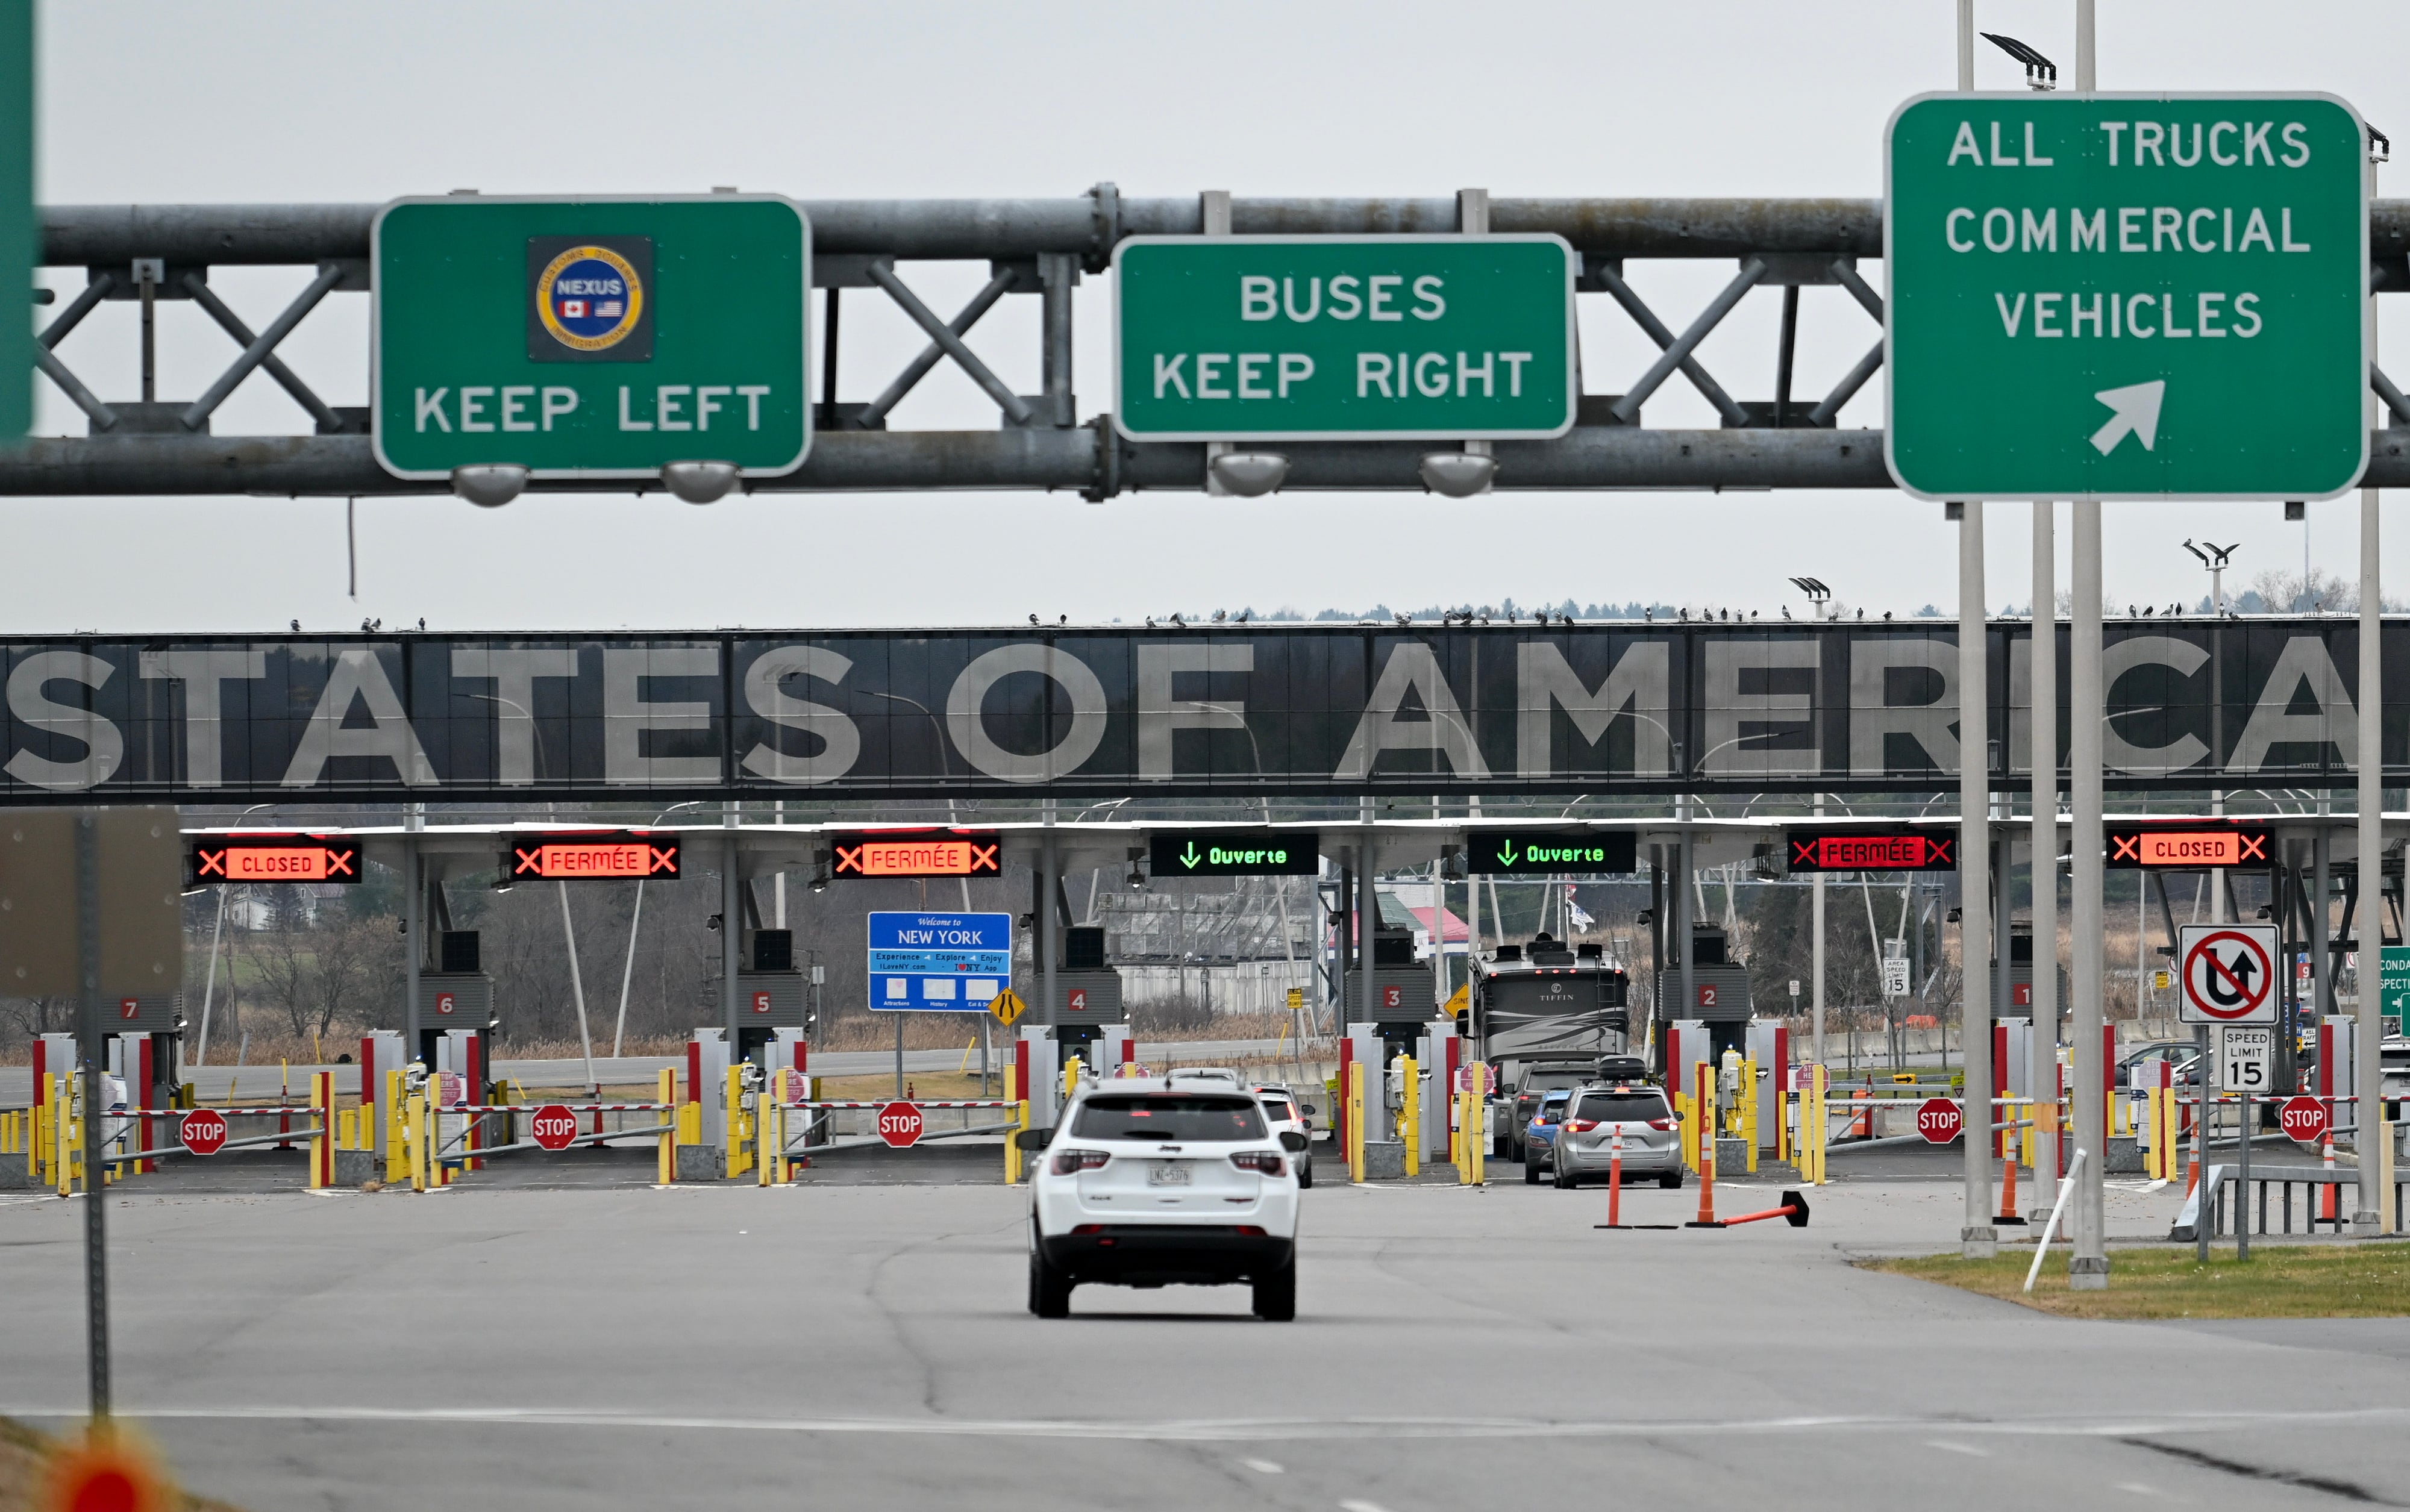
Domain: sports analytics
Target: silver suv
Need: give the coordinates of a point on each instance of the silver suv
(1585, 1145)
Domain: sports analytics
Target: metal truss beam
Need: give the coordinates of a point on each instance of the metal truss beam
(1590, 458)
(106, 234)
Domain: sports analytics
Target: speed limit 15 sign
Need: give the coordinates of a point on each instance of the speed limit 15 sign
(2246, 1054)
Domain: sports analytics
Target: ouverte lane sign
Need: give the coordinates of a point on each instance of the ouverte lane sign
(590, 338)
(2125, 296)
(1240, 338)
(2229, 973)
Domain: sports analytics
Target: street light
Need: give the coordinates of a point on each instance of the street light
(1818, 595)
(2215, 559)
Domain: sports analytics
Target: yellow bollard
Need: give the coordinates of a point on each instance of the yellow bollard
(1410, 1114)
(1748, 1111)
(665, 1144)
(1355, 1121)
(1012, 1156)
(322, 1137)
(413, 1139)
(1477, 1138)
(68, 1139)
(735, 1122)
(1823, 1142)
(1070, 1079)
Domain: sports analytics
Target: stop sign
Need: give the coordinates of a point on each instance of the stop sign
(899, 1124)
(2305, 1119)
(203, 1130)
(1939, 1120)
(554, 1127)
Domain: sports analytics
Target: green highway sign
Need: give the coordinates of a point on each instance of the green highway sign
(1549, 853)
(1280, 337)
(2127, 297)
(1234, 853)
(590, 338)
(2393, 986)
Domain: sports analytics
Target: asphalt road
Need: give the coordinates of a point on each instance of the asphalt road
(866, 1345)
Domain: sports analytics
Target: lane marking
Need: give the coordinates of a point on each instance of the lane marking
(1253, 1430)
(1262, 1466)
(1959, 1448)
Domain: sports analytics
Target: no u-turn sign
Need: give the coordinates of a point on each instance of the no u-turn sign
(2229, 973)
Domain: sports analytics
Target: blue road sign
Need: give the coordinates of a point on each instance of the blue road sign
(938, 963)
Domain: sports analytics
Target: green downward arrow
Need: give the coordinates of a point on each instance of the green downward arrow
(1507, 854)
(1190, 857)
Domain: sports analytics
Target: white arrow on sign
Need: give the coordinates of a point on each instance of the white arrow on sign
(2137, 414)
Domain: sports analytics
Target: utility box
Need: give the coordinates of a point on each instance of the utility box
(1401, 995)
(1091, 997)
(450, 1000)
(771, 999)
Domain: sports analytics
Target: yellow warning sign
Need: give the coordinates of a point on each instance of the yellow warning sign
(1296, 1000)
(1008, 1007)
(1460, 1000)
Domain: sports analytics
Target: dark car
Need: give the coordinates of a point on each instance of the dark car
(1539, 1079)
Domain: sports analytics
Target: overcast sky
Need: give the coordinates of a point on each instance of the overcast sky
(268, 102)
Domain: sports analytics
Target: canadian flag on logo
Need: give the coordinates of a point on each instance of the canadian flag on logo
(573, 310)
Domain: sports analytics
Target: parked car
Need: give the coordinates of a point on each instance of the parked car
(2147, 1058)
(1540, 1133)
(1584, 1148)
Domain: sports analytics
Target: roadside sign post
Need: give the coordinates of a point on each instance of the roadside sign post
(899, 1125)
(590, 338)
(553, 1126)
(2304, 1119)
(1940, 1120)
(203, 1130)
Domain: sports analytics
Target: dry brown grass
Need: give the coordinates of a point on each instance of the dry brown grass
(2278, 1281)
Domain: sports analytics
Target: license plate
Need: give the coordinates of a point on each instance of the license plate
(1166, 1175)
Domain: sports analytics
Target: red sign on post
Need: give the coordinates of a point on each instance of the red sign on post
(899, 1125)
(553, 1126)
(1939, 1120)
(2304, 1119)
(203, 1130)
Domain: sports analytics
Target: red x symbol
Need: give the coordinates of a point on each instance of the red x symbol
(2126, 848)
(338, 863)
(2255, 846)
(211, 862)
(849, 859)
(1803, 852)
(1938, 852)
(527, 864)
(663, 861)
(984, 858)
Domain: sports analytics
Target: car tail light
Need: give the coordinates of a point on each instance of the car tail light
(1248, 1230)
(1068, 1161)
(1582, 1125)
(1661, 1124)
(1267, 1162)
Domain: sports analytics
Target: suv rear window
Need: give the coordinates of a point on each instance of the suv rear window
(1278, 1108)
(1159, 1117)
(1621, 1107)
(1550, 1078)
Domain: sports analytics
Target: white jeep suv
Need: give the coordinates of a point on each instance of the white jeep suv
(1147, 1182)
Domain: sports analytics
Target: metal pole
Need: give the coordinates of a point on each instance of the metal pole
(1977, 1238)
(1967, 58)
(2088, 1268)
(414, 928)
(628, 970)
(209, 991)
(577, 987)
(2203, 1043)
(2088, 52)
(2041, 1043)
(1047, 932)
(96, 1103)
(2367, 1067)
(1368, 924)
(1816, 950)
(731, 924)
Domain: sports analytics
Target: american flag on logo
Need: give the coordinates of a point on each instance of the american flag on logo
(573, 309)
(610, 310)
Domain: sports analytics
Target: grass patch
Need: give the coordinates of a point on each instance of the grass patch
(2278, 1281)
